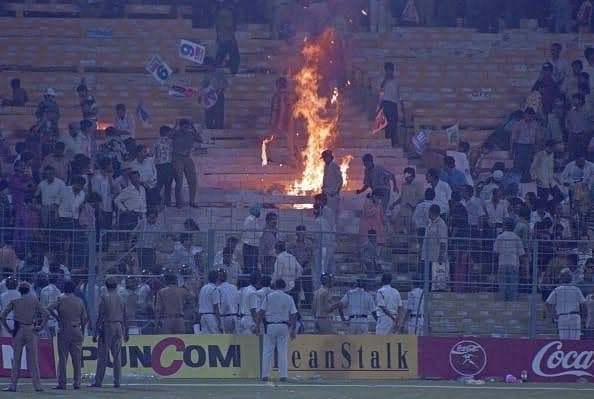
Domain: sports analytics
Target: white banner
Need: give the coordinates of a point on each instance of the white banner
(178, 90)
(191, 51)
(159, 69)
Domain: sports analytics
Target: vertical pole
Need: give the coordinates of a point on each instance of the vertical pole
(92, 280)
(211, 248)
(534, 291)
(427, 298)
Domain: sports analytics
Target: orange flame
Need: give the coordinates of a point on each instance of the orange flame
(344, 167)
(320, 120)
(264, 153)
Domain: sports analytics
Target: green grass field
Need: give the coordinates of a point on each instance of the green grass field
(235, 389)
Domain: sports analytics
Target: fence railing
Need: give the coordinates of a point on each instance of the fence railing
(467, 289)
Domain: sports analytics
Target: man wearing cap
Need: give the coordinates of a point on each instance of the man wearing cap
(323, 306)
(170, 304)
(25, 311)
(567, 305)
(378, 179)
(48, 106)
(331, 183)
(250, 237)
(111, 327)
(359, 305)
(389, 307)
(183, 165)
(510, 250)
(542, 170)
(229, 304)
(71, 314)
(523, 139)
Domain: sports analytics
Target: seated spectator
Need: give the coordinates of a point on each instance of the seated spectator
(542, 171)
(124, 122)
(477, 158)
(540, 213)
(583, 250)
(48, 108)
(372, 218)
(369, 255)
(19, 95)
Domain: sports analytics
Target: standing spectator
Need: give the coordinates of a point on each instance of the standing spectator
(548, 87)
(75, 141)
(19, 95)
(281, 118)
(69, 202)
(510, 250)
(102, 183)
(435, 242)
(567, 303)
(378, 179)
(372, 218)
(324, 244)
(570, 84)
(588, 64)
(124, 122)
(411, 195)
(251, 239)
(226, 42)
(88, 105)
(578, 125)
(560, 66)
(420, 216)
(378, 15)
(369, 255)
(163, 151)
(267, 242)
(561, 10)
(523, 140)
(213, 96)
(22, 187)
(443, 192)
(451, 175)
(145, 165)
(229, 265)
(131, 202)
(57, 161)
(331, 183)
(542, 171)
(6, 297)
(287, 267)
(48, 108)
(496, 211)
(302, 249)
(389, 97)
(231, 243)
(183, 165)
(584, 17)
(48, 297)
(475, 209)
(148, 234)
(49, 190)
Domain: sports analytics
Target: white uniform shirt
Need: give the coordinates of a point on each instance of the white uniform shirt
(251, 231)
(248, 300)
(229, 298)
(132, 199)
(443, 195)
(287, 268)
(566, 299)
(278, 307)
(261, 294)
(69, 203)
(103, 185)
(50, 192)
(358, 302)
(208, 298)
(415, 302)
(7, 297)
(388, 297)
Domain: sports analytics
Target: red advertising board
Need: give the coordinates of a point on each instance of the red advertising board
(45, 354)
(543, 360)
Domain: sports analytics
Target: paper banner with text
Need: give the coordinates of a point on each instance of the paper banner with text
(191, 51)
(159, 69)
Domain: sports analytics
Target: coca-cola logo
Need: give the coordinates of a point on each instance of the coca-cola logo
(468, 358)
(552, 361)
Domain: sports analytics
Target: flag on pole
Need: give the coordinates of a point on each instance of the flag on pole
(410, 13)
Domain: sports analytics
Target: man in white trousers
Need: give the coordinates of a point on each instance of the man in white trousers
(359, 305)
(248, 306)
(278, 316)
(567, 303)
(209, 303)
(389, 307)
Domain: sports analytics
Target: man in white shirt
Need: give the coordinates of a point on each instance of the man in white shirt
(389, 307)
(209, 302)
(496, 210)
(248, 306)
(124, 122)
(578, 171)
(131, 202)
(278, 314)
(75, 141)
(359, 305)
(475, 209)
(49, 190)
(543, 169)
(420, 216)
(415, 308)
(230, 266)
(229, 303)
(145, 166)
(252, 230)
(265, 289)
(560, 65)
(390, 98)
(443, 192)
(48, 296)
(102, 183)
(6, 297)
(510, 249)
(69, 201)
(567, 303)
(288, 269)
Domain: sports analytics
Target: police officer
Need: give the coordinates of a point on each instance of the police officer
(278, 314)
(248, 306)
(25, 309)
(389, 307)
(415, 308)
(209, 302)
(229, 303)
(130, 297)
(359, 305)
(323, 306)
(71, 314)
(169, 309)
(111, 327)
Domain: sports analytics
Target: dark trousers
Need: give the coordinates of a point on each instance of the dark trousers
(268, 264)
(250, 258)
(523, 155)
(545, 193)
(203, 12)
(391, 113)
(214, 117)
(165, 181)
(306, 282)
(153, 197)
(128, 220)
(105, 222)
(147, 258)
(228, 47)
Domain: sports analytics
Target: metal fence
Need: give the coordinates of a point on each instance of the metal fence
(468, 292)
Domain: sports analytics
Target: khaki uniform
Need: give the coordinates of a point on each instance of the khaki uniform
(169, 309)
(112, 323)
(25, 309)
(72, 317)
(322, 302)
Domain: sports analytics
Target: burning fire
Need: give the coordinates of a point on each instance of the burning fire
(264, 155)
(320, 119)
(344, 167)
